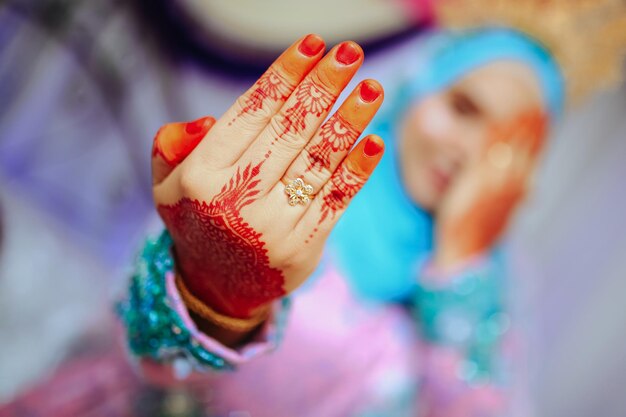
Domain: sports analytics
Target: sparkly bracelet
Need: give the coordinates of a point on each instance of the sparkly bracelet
(467, 313)
(153, 327)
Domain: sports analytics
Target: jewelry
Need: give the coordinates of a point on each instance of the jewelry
(450, 315)
(299, 192)
(207, 313)
(154, 328)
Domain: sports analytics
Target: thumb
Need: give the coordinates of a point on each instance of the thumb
(173, 142)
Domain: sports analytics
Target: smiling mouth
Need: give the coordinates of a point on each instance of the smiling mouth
(439, 179)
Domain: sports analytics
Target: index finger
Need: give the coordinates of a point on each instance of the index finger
(243, 121)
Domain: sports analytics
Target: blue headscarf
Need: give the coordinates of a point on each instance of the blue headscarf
(383, 237)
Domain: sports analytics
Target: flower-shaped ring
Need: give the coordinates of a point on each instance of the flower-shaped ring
(299, 192)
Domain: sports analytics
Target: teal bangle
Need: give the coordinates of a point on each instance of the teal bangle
(153, 327)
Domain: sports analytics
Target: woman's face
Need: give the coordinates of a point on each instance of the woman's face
(443, 132)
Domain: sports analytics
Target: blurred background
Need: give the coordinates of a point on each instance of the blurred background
(84, 85)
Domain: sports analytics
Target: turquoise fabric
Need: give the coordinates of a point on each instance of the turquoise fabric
(153, 328)
(468, 313)
(383, 236)
(451, 55)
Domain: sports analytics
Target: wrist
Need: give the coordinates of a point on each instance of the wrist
(228, 337)
(231, 331)
(157, 323)
(205, 309)
(217, 291)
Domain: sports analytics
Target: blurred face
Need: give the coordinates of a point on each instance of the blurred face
(443, 132)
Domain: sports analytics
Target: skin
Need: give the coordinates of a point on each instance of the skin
(221, 202)
(220, 185)
(453, 163)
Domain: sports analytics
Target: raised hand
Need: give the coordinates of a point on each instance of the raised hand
(239, 242)
(480, 204)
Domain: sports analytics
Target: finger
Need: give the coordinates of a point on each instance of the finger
(529, 136)
(173, 142)
(243, 121)
(331, 202)
(525, 134)
(538, 129)
(526, 158)
(290, 130)
(331, 143)
(525, 130)
(510, 179)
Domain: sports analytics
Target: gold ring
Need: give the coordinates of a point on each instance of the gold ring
(299, 192)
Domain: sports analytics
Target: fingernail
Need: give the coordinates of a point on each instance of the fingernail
(311, 45)
(369, 92)
(348, 53)
(372, 147)
(195, 127)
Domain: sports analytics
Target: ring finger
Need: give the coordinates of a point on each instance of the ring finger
(289, 131)
(332, 141)
(249, 115)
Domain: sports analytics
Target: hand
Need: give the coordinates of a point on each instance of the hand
(220, 185)
(478, 207)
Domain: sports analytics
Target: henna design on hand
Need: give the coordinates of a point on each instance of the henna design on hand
(337, 136)
(271, 86)
(311, 98)
(343, 187)
(223, 259)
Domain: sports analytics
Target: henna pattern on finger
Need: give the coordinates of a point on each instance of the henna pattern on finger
(337, 135)
(311, 98)
(343, 187)
(271, 86)
(223, 259)
(311, 235)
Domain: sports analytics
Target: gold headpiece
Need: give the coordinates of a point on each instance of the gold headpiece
(587, 37)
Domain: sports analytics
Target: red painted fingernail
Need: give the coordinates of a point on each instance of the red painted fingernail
(311, 45)
(348, 53)
(369, 92)
(195, 127)
(372, 147)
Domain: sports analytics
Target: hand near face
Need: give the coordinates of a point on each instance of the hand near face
(220, 184)
(480, 203)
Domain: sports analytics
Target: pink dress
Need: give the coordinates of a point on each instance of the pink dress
(340, 356)
(343, 356)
